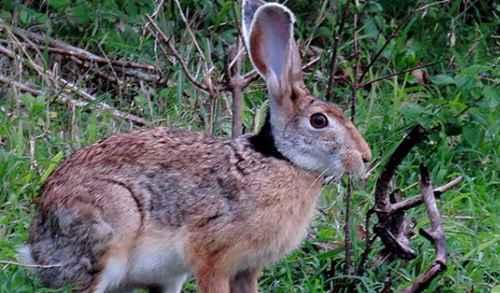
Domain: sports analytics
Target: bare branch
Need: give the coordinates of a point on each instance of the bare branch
(435, 235)
(368, 243)
(165, 40)
(419, 199)
(424, 7)
(66, 99)
(348, 269)
(333, 61)
(235, 83)
(8, 262)
(387, 224)
(396, 74)
(387, 41)
(61, 47)
(416, 135)
(190, 31)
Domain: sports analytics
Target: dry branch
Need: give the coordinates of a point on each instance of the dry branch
(333, 62)
(362, 85)
(236, 86)
(40, 42)
(389, 222)
(173, 51)
(393, 228)
(386, 43)
(68, 100)
(8, 262)
(435, 235)
(417, 200)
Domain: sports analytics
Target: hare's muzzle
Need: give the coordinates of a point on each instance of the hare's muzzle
(358, 153)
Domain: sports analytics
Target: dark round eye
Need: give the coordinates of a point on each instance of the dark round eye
(318, 120)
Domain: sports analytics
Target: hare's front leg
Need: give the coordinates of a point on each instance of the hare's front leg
(245, 281)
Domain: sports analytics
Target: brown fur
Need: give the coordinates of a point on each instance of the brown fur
(142, 209)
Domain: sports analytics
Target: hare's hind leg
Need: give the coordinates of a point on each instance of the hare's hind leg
(245, 281)
(173, 285)
(113, 274)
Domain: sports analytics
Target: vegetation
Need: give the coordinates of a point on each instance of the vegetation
(53, 102)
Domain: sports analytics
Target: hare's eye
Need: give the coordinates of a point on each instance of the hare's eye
(318, 120)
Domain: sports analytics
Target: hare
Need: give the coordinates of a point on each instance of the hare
(147, 209)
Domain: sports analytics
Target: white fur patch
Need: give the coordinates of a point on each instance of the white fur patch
(113, 274)
(24, 255)
(159, 260)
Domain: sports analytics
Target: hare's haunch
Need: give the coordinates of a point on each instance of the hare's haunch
(148, 208)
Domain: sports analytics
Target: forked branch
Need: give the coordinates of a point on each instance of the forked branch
(435, 235)
(393, 228)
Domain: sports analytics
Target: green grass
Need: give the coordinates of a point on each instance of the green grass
(462, 98)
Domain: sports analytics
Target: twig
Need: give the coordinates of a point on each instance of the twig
(386, 226)
(235, 83)
(20, 86)
(141, 71)
(379, 52)
(354, 83)
(190, 31)
(79, 52)
(8, 262)
(362, 85)
(419, 199)
(368, 244)
(348, 268)
(435, 235)
(165, 40)
(424, 7)
(333, 61)
(66, 99)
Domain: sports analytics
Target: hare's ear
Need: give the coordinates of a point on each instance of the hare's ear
(249, 7)
(271, 47)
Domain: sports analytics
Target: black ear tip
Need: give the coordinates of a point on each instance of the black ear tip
(274, 10)
(249, 7)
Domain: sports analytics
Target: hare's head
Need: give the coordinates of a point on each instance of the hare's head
(311, 133)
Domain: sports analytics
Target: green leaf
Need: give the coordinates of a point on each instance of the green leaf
(491, 94)
(58, 5)
(82, 13)
(442, 79)
(54, 162)
(472, 135)
(412, 111)
(260, 116)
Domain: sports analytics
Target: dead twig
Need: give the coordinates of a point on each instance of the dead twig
(236, 86)
(41, 42)
(386, 43)
(419, 199)
(348, 268)
(424, 7)
(368, 243)
(65, 48)
(435, 235)
(13, 263)
(68, 100)
(387, 224)
(165, 40)
(362, 85)
(333, 61)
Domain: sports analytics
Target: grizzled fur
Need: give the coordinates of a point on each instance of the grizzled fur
(148, 208)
